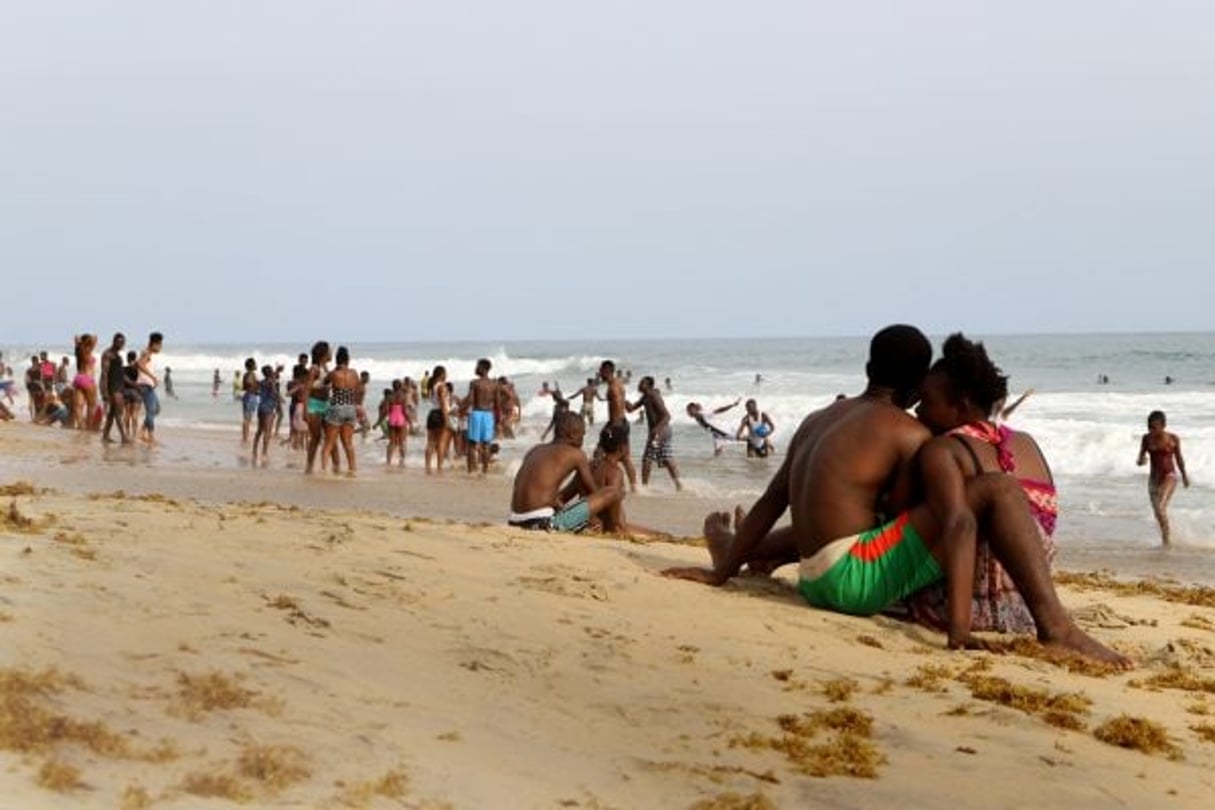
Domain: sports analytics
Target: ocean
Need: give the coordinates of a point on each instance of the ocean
(1089, 430)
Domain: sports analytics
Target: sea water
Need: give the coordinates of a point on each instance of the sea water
(1089, 430)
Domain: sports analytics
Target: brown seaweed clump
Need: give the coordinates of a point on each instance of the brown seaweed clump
(1139, 734)
(28, 725)
(274, 766)
(734, 801)
(1198, 622)
(14, 520)
(930, 677)
(1063, 710)
(1205, 731)
(1198, 595)
(1178, 678)
(18, 489)
(199, 694)
(136, 797)
(216, 785)
(839, 690)
(847, 752)
(394, 784)
(59, 776)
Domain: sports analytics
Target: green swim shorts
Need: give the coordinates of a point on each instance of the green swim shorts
(572, 518)
(867, 572)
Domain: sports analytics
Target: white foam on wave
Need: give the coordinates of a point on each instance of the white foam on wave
(198, 367)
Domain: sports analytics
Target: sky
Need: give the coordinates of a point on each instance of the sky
(549, 169)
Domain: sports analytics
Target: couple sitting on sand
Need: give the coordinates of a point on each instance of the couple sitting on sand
(594, 495)
(864, 536)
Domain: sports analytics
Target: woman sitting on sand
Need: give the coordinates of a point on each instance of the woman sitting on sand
(957, 402)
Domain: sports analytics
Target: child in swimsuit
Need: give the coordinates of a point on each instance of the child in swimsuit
(1164, 451)
(267, 411)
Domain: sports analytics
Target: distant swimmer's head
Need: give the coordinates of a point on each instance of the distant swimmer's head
(693, 409)
(898, 359)
(610, 439)
(1156, 420)
(963, 386)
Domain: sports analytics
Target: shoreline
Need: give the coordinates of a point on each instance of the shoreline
(164, 644)
(209, 465)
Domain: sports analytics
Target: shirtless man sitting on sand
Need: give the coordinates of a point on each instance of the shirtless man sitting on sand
(542, 500)
(853, 461)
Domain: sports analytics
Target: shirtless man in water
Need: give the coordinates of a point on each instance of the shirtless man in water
(618, 417)
(855, 459)
(539, 501)
(482, 396)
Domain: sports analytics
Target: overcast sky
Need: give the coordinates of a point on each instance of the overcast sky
(258, 170)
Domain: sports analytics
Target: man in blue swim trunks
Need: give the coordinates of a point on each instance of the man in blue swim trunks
(540, 502)
(848, 479)
(482, 396)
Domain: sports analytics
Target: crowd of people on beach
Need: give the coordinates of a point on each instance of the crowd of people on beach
(119, 390)
(948, 513)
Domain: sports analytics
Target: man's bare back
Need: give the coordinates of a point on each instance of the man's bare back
(615, 400)
(483, 393)
(543, 471)
(847, 466)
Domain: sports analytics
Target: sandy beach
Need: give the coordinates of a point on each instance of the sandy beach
(193, 635)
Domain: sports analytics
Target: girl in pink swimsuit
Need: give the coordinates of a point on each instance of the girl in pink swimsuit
(84, 385)
(398, 423)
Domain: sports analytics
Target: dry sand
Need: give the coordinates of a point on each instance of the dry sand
(159, 650)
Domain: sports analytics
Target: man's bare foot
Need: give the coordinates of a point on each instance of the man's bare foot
(718, 535)
(739, 517)
(1076, 641)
